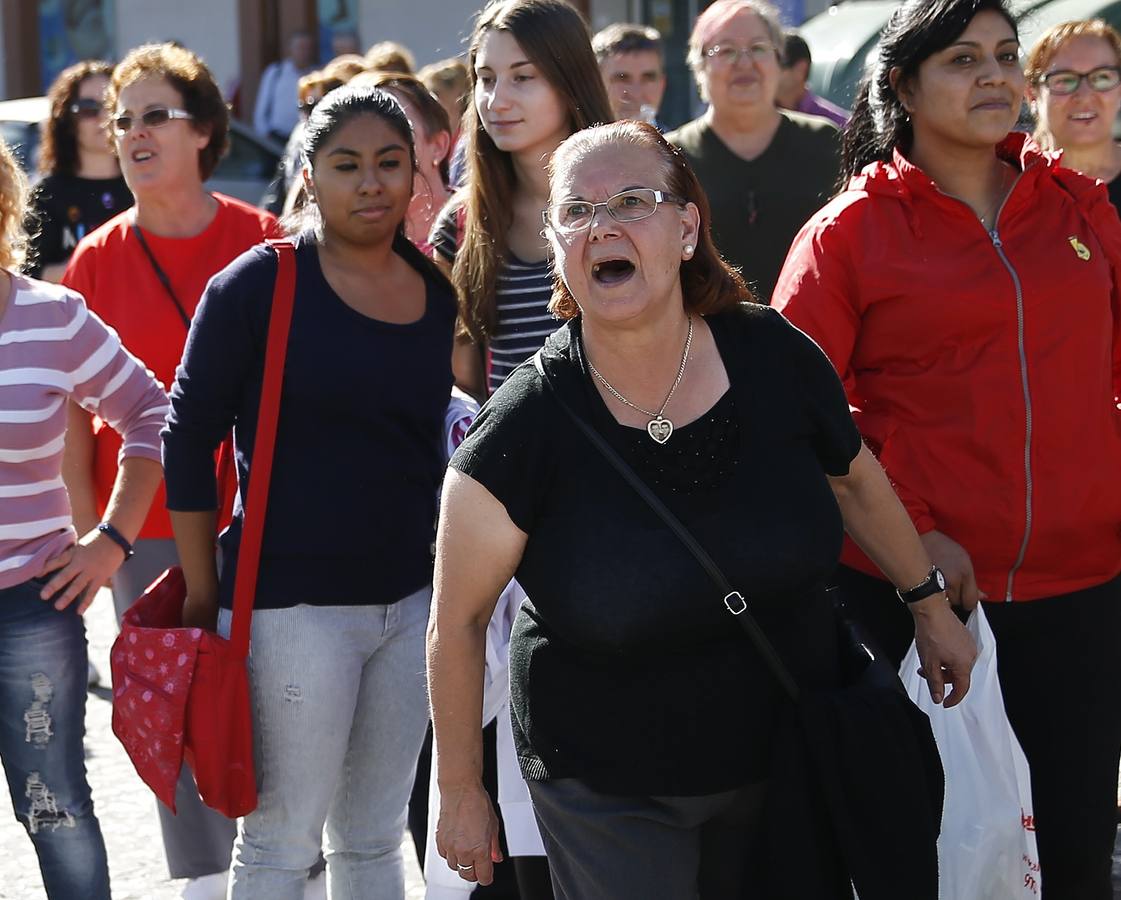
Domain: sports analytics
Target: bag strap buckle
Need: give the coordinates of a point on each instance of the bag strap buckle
(730, 600)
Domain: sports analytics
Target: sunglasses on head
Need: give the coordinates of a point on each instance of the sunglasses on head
(156, 117)
(86, 108)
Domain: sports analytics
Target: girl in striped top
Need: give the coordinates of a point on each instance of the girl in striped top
(535, 81)
(53, 349)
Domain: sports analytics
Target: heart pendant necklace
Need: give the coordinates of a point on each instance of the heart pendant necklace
(659, 427)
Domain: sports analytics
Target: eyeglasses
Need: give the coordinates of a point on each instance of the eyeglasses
(729, 54)
(1063, 82)
(156, 117)
(574, 216)
(86, 108)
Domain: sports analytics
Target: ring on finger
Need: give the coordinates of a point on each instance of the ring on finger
(465, 868)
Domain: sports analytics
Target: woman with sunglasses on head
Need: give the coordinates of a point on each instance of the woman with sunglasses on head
(82, 184)
(336, 667)
(766, 170)
(535, 81)
(143, 272)
(1074, 85)
(645, 720)
(965, 285)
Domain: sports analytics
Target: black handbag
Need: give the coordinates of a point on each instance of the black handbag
(857, 786)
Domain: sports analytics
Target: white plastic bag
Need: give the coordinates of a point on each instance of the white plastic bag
(987, 849)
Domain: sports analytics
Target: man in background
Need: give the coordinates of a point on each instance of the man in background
(793, 89)
(276, 112)
(632, 63)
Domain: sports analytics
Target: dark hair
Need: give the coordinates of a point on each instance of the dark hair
(554, 37)
(432, 114)
(708, 283)
(189, 75)
(332, 113)
(916, 31)
(58, 153)
(794, 49)
(624, 37)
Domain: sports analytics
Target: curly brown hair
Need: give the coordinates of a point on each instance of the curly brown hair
(708, 283)
(190, 76)
(58, 152)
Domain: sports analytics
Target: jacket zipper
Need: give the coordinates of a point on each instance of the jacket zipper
(994, 236)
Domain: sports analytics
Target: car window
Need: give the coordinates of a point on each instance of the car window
(246, 159)
(23, 139)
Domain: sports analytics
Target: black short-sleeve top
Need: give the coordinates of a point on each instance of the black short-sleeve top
(626, 670)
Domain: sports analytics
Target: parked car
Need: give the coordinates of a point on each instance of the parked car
(244, 172)
(843, 37)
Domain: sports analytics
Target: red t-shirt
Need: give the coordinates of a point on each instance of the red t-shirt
(110, 269)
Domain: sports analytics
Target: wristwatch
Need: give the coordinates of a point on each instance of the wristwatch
(934, 583)
(117, 538)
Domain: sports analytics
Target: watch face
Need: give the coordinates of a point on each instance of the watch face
(940, 578)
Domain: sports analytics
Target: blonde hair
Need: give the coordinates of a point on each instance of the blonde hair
(13, 209)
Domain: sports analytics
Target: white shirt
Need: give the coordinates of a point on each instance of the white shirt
(277, 108)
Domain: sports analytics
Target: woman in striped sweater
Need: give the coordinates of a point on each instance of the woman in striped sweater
(53, 349)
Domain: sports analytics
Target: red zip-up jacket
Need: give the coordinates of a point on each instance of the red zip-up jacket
(982, 367)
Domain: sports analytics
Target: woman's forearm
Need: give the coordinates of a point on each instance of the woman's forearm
(194, 542)
(879, 524)
(138, 478)
(456, 656)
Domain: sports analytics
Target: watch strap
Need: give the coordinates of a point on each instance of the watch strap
(117, 538)
(934, 583)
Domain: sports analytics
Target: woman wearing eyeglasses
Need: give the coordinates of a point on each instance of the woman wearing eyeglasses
(644, 718)
(766, 170)
(1074, 84)
(143, 272)
(82, 184)
(965, 285)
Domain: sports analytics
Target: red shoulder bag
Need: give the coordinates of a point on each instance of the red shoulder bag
(184, 692)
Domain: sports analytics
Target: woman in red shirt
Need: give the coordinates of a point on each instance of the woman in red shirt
(964, 286)
(143, 272)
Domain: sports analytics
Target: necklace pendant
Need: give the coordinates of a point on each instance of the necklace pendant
(659, 429)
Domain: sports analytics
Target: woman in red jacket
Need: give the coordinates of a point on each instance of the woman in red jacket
(965, 287)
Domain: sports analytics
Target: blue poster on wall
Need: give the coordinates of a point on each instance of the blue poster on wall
(73, 30)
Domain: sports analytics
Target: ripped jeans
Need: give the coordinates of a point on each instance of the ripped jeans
(43, 673)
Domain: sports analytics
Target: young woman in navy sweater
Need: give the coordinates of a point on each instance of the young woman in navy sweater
(337, 657)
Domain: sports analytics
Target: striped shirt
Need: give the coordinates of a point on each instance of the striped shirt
(522, 296)
(51, 349)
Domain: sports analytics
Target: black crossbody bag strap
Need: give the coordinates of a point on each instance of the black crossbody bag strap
(162, 276)
(734, 601)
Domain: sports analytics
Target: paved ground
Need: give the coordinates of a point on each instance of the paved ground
(124, 805)
(126, 808)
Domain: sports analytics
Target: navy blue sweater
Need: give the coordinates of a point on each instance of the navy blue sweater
(359, 449)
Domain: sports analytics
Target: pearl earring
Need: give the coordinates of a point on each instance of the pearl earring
(688, 250)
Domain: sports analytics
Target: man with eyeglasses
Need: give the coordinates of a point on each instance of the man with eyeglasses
(765, 170)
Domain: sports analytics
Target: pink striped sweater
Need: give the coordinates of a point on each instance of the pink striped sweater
(52, 348)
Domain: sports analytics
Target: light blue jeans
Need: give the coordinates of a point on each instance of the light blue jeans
(339, 713)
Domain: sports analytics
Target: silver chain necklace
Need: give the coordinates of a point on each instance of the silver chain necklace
(659, 427)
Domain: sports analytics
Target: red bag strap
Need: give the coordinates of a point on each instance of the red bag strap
(256, 503)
